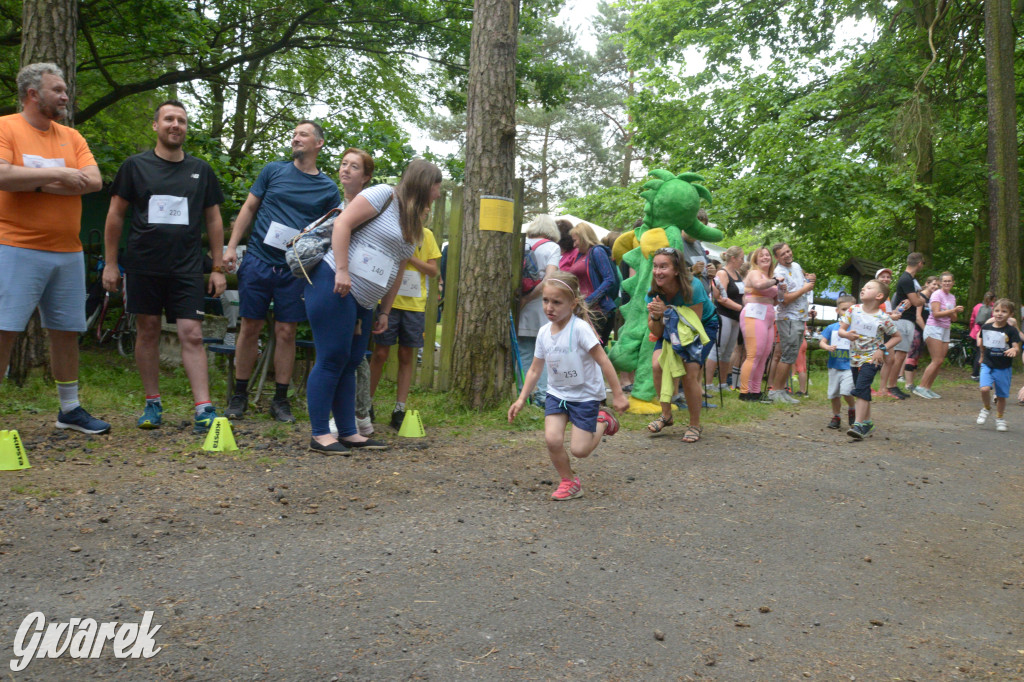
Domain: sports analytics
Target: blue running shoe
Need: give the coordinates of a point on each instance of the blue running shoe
(151, 416)
(204, 420)
(80, 420)
(866, 428)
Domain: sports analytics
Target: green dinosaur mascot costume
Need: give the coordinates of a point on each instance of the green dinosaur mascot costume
(672, 202)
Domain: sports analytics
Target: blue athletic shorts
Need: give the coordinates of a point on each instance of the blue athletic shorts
(52, 280)
(862, 378)
(997, 378)
(260, 283)
(582, 415)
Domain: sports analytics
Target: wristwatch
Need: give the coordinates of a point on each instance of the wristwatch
(218, 268)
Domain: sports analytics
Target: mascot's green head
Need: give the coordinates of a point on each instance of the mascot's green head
(675, 200)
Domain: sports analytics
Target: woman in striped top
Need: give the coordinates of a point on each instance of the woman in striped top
(362, 268)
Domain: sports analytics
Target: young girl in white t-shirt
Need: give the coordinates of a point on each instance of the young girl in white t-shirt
(569, 350)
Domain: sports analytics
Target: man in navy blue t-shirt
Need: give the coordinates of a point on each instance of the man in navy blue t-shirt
(287, 196)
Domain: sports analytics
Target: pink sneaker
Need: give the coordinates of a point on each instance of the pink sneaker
(609, 419)
(568, 489)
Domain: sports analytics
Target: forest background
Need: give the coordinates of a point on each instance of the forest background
(845, 128)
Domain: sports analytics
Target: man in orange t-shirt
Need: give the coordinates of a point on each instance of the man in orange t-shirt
(44, 169)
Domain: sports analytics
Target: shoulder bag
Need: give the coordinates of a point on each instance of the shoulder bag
(306, 249)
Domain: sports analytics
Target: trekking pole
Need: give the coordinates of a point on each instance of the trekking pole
(767, 368)
(718, 353)
(515, 351)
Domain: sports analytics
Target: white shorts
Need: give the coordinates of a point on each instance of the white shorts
(933, 332)
(906, 329)
(840, 382)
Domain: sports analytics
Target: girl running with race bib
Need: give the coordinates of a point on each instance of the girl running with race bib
(569, 350)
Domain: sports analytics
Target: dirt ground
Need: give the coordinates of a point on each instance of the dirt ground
(771, 550)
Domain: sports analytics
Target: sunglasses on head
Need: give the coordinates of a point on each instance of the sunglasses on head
(667, 251)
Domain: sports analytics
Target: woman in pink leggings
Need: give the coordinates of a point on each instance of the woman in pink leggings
(757, 320)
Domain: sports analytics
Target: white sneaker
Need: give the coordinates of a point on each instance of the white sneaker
(983, 416)
(899, 380)
(1000, 424)
(790, 399)
(921, 392)
(777, 396)
(364, 426)
(932, 394)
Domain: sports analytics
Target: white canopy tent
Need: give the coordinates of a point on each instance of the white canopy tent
(714, 251)
(598, 230)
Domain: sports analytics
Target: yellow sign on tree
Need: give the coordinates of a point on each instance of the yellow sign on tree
(496, 213)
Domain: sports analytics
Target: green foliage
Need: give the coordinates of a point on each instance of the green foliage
(615, 208)
(249, 69)
(815, 142)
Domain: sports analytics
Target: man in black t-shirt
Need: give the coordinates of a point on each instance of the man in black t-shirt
(171, 195)
(906, 290)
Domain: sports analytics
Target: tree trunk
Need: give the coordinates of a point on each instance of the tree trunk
(979, 260)
(482, 366)
(1003, 181)
(218, 88)
(627, 159)
(49, 29)
(924, 226)
(544, 169)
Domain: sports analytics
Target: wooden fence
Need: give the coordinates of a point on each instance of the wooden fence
(435, 369)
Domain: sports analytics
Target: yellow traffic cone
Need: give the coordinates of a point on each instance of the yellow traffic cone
(12, 453)
(220, 438)
(412, 425)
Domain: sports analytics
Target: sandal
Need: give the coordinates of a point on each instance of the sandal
(692, 434)
(660, 423)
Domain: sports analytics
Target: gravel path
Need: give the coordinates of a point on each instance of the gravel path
(773, 550)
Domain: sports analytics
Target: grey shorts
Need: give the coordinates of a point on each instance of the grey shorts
(906, 330)
(840, 382)
(51, 280)
(791, 336)
(404, 326)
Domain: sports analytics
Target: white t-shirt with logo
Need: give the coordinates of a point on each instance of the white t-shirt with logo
(794, 278)
(575, 340)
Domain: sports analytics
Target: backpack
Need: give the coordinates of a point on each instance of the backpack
(615, 292)
(984, 313)
(533, 274)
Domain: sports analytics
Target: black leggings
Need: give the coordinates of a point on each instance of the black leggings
(603, 324)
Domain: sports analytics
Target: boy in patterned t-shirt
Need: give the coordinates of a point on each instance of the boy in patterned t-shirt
(866, 326)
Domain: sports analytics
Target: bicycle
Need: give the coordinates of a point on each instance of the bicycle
(961, 352)
(123, 329)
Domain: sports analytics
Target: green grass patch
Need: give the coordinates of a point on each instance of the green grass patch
(110, 385)
(34, 491)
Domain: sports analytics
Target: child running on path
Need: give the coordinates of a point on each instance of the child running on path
(569, 350)
(999, 343)
(840, 376)
(866, 325)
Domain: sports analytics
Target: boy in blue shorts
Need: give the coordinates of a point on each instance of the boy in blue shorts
(999, 343)
(840, 376)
